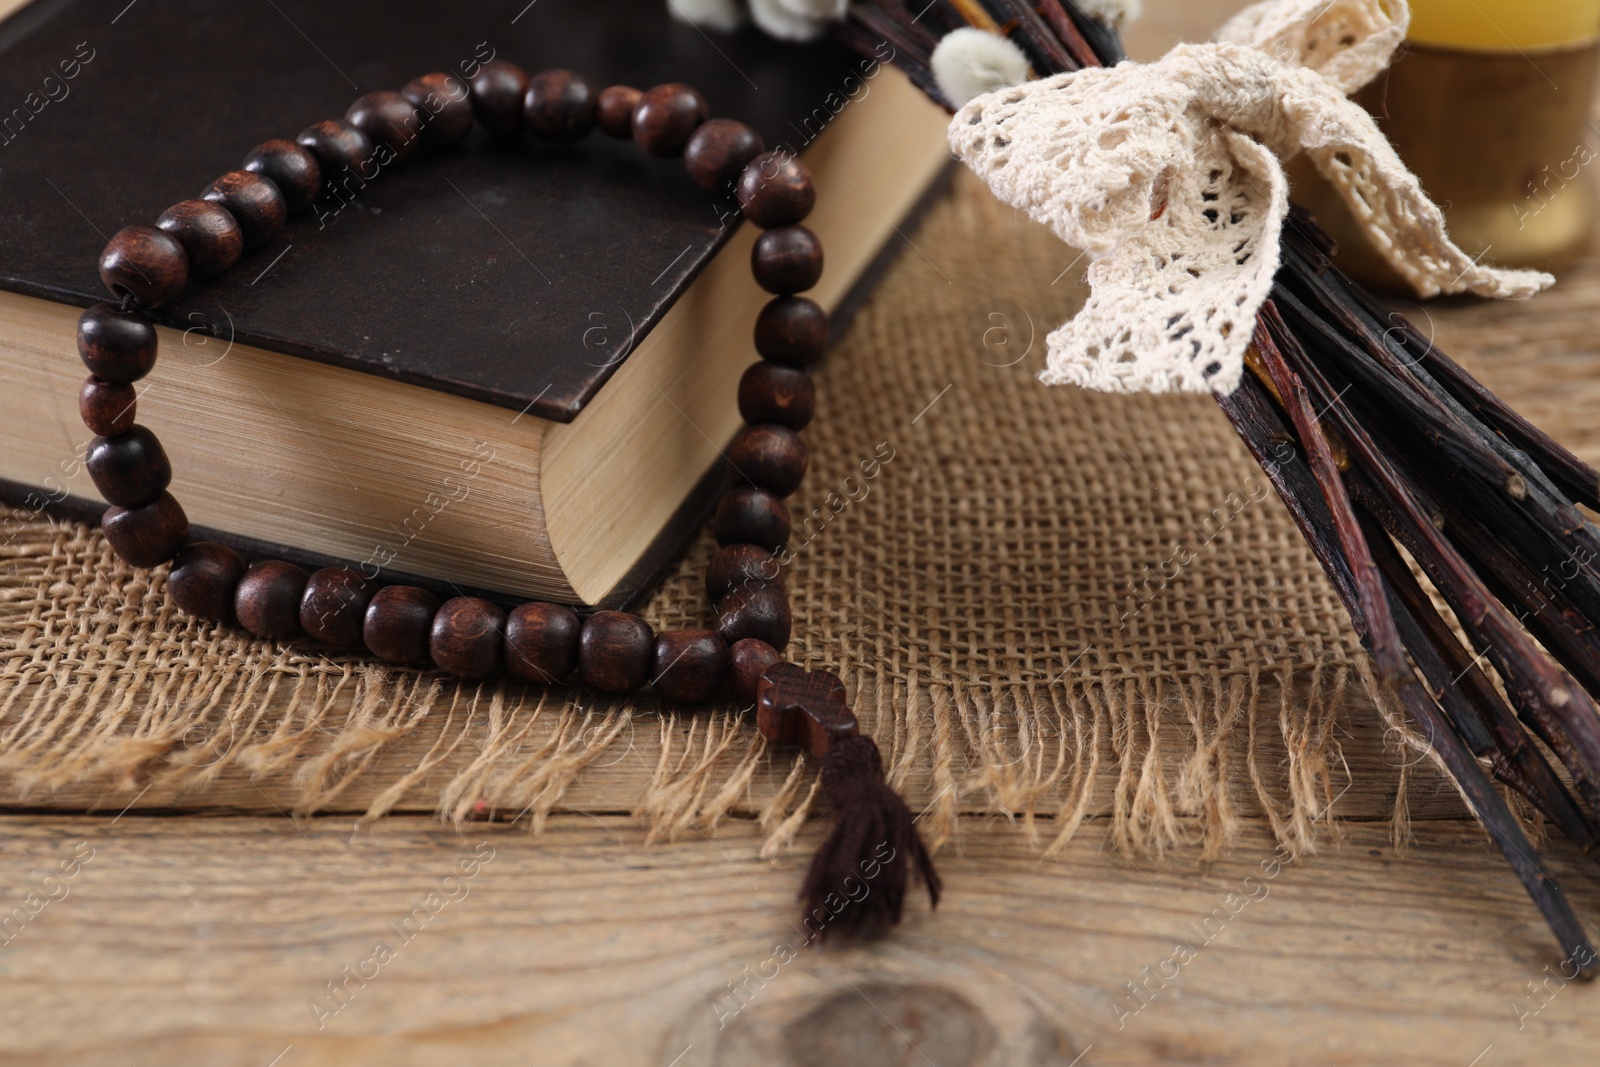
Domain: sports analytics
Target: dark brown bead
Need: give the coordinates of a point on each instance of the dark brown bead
(718, 151)
(399, 624)
(666, 116)
(267, 602)
(339, 147)
(116, 345)
(149, 534)
(792, 330)
(741, 567)
(203, 580)
(253, 200)
(107, 408)
(762, 613)
(466, 637)
(130, 468)
(771, 392)
(499, 90)
(748, 660)
(208, 233)
(542, 642)
(770, 456)
(614, 652)
(145, 262)
(446, 105)
(751, 516)
(614, 110)
(776, 190)
(688, 665)
(786, 260)
(559, 106)
(387, 118)
(333, 609)
(289, 166)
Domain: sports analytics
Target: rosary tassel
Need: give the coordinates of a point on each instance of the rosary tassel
(857, 881)
(858, 877)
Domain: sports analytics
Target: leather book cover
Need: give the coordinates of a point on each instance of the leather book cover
(519, 274)
(515, 273)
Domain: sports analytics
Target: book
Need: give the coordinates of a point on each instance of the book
(506, 367)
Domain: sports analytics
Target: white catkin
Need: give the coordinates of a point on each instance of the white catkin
(1114, 13)
(970, 62)
(1170, 175)
(724, 16)
(775, 18)
(824, 10)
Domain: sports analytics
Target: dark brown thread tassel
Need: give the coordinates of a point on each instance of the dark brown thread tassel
(858, 877)
(856, 884)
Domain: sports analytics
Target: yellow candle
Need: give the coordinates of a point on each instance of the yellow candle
(1503, 25)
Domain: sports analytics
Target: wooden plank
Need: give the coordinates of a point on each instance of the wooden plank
(189, 940)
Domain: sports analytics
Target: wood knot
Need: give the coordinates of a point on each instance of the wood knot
(887, 1022)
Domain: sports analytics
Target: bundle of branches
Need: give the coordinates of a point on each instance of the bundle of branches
(1396, 451)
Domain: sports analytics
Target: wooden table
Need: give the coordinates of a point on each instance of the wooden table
(227, 934)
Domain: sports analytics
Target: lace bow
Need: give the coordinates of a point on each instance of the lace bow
(1168, 174)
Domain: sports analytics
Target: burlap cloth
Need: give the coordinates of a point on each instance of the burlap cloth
(1048, 600)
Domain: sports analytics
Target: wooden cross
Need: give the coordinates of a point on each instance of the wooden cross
(795, 706)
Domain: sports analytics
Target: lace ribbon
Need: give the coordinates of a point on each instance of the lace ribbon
(1169, 175)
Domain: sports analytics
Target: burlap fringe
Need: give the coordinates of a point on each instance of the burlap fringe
(1034, 753)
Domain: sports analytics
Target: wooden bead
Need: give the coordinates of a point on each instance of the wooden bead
(762, 613)
(688, 665)
(107, 408)
(615, 651)
(771, 392)
(204, 578)
(146, 263)
(741, 567)
(499, 90)
(542, 642)
(116, 345)
(129, 469)
(267, 602)
(389, 119)
(339, 147)
(289, 166)
(769, 456)
(786, 260)
(666, 116)
(149, 534)
(792, 330)
(254, 201)
(559, 106)
(333, 609)
(775, 189)
(748, 660)
(718, 151)
(446, 106)
(614, 110)
(808, 709)
(466, 637)
(751, 516)
(399, 624)
(208, 233)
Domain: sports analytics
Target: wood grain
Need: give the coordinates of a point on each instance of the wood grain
(206, 940)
